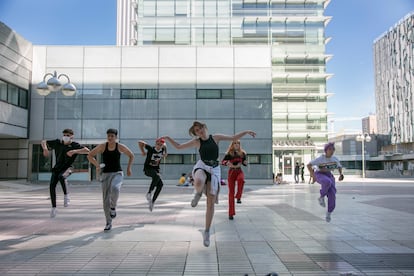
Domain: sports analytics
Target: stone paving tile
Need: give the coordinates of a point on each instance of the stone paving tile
(276, 228)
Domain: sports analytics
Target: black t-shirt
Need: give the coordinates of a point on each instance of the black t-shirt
(63, 161)
(153, 157)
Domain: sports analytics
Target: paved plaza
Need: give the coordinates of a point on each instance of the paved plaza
(277, 228)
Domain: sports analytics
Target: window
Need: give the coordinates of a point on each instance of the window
(174, 159)
(259, 158)
(13, 95)
(39, 162)
(23, 98)
(253, 158)
(3, 91)
(139, 94)
(215, 93)
(180, 159)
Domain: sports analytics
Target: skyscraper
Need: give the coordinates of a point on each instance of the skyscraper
(294, 30)
(394, 78)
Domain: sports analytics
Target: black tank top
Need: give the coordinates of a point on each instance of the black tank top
(208, 149)
(111, 159)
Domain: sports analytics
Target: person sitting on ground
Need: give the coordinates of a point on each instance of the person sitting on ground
(181, 181)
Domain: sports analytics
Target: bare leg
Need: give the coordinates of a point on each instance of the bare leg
(199, 180)
(211, 199)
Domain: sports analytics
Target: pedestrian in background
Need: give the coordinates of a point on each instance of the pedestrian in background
(297, 169)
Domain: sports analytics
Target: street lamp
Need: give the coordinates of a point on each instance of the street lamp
(363, 138)
(53, 85)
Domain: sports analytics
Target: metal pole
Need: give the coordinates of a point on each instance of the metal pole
(363, 157)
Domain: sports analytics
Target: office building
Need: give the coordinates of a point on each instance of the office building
(394, 81)
(293, 30)
(369, 124)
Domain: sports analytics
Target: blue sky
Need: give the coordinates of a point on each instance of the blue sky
(353, 28)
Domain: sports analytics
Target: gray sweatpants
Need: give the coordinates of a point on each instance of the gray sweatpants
(111, 186)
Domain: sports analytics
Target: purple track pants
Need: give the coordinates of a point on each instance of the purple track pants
(327, 182)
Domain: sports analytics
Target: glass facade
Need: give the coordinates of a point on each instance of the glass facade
(160, 93)
(228, 22)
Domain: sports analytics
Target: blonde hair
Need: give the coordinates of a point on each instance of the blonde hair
(230, 149)
(196, 124)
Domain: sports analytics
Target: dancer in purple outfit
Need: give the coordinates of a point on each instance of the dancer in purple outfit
(324, 165)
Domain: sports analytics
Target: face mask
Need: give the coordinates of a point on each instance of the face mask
(66, 139)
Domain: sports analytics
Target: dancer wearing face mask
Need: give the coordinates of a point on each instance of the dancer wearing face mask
(66, 151)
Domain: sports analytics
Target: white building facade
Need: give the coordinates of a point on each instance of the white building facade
(150, 91)
(15, 74)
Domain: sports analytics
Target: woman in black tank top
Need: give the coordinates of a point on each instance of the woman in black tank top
(206, 172)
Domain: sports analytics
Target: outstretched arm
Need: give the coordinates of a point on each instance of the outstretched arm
(83, 150)
(189, 144)
(236, 136)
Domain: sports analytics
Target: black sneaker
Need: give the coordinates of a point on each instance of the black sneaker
(230, 217)
(238, 201)
(112, 213)
(108, 227)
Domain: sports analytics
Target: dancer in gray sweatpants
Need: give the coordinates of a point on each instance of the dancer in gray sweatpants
(112, 175)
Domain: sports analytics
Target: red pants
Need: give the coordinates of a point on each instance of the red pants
(233, 176)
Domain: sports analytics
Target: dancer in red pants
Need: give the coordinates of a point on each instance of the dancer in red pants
(235, 157)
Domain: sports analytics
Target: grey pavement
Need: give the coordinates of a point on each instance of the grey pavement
(277, 228)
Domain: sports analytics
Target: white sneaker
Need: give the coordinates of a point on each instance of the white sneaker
(196, 199)
(53, 212)
(66, 201)
(206, 240)
(322, 201)
(148, 197)
(328, 217)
